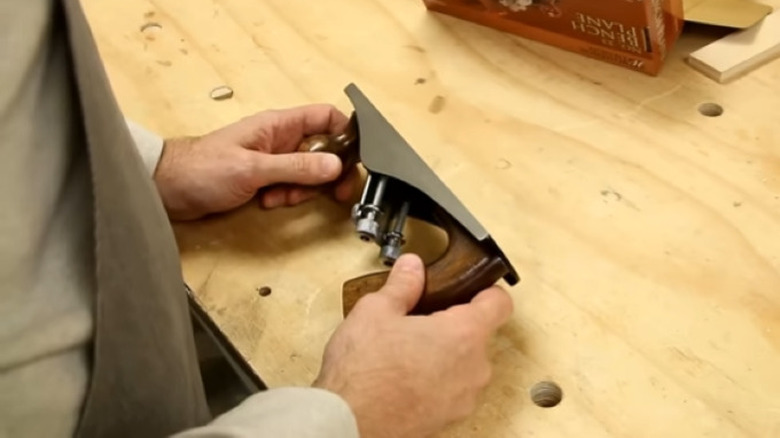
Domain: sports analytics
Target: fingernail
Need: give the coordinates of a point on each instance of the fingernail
(274, 200)
(331, 164)
(409, 263)
(294, 196)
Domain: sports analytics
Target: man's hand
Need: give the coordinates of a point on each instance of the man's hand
(410, 376)
(225, 169)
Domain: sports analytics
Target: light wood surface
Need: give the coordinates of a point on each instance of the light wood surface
(647, 235)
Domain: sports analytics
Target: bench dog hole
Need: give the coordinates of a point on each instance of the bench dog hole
(546, 394)
(710, 109)
(221, 93)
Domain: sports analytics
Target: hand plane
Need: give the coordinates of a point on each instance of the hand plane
(399, 185)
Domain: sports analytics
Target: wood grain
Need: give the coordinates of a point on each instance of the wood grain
(646, 233)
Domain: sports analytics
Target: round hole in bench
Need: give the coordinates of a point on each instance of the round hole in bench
(546, 394)
(710, 109)
(151, 26)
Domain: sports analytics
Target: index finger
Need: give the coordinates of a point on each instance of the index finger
(294, 124)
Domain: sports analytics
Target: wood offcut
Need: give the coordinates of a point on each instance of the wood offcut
(740, 52)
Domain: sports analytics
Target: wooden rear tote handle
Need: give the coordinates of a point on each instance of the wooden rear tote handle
(464, 269)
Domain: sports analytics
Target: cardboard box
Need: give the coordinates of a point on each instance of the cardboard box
(635, 34)
(738, 14)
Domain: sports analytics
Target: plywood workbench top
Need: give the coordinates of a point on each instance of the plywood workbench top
(647, 235)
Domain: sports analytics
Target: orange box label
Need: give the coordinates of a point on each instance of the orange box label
(635, 34)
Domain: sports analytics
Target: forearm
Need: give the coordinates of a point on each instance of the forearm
(283, 413)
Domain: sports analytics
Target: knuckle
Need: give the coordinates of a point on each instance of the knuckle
(299, 164)
(466, 331)
(369, 303)
(467, 406)
(325, 107)
(401, 280)
(246, 170)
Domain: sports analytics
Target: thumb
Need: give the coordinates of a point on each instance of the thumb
(405, 283)
(305, 168)
(492, 307)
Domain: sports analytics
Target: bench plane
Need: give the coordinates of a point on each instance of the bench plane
(399, 185)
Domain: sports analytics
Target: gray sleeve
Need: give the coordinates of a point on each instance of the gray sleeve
(283, 413)
(278, 413)
(149, 145)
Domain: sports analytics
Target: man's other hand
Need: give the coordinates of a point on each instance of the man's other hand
(226, 168)
(410, 376)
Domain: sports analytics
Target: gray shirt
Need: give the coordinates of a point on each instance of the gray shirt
(46, 297)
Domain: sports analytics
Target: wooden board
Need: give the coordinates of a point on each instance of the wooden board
(740, 52)
(647, 235)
